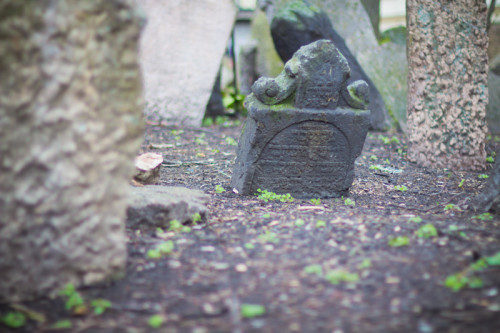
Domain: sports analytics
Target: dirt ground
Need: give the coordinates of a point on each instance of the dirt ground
(328, 266)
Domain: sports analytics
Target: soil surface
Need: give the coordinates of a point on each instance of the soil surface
(328, 266)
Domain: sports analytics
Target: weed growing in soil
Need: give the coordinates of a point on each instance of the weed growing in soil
(482, 176)
(14, 319)
(155, 321)
(249, 246)
(490, 159)
(299, 222)
(314, 269)
(219, 189)
(196, 218)
(427, 231)
(451, 207)
(161, 250)
(461, 183)
(271, 196)
(399, 241)
(373, 158)
(100, 305)
(366, 263)
(316, 202)
(62, 324)
(349, 202)
(484, 217)
(252, 310)
(230, 141)
(320, 224)
(465, 279)
(340, 275)
(74, 301)
(401, 188)
(415, 219)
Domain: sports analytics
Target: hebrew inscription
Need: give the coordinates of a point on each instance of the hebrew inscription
(310, 157)
(304, 128)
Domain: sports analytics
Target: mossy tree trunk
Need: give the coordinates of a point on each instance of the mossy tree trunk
(70, 125)
(447, 83)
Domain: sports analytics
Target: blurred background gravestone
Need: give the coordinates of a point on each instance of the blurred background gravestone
(180, 53)
(297, 23)
(70, 126)
(385, 64)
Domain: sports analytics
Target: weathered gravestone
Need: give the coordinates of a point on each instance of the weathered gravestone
(304, 128)
(70, 126)
(180, 53)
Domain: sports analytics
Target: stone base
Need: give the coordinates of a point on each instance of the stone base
(308, 153)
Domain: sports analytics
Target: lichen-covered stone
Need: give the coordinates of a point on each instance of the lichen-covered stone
(304, 128)
(447, 83)
(297, 23)
(70, 126)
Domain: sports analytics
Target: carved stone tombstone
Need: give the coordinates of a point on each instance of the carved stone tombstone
(305, 127)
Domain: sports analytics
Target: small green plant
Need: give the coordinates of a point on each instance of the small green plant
(299, 222)
(266, 215)
(395, 140)
(252, 310)
(349, 202)
(458, 281)
(219, 189)
(401, 188)
(230, 141)
(215, 150)
(176, 132)
(271, 196)
(493, 260)
(161, 250)
(200, 139)
(385, 139)
(415, 219)
(427, 231)
(376, 167)
(484, 217)
(490, 159)
(314, 269)
(461, 183)
(249, 246)
(483, 176)
(207, 122)
(340, 275)
(74, 301)
(366, 263)
(269, 237)
(196, 218)
(62, 324)
(387, 161)
(14, 319)
(316, 202)
(399, 241)
(175, 225)
(320, 224)
(373, 158)
(155, 321)
(451, 207)
(100, 305)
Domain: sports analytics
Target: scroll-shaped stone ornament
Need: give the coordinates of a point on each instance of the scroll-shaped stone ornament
(304, 128)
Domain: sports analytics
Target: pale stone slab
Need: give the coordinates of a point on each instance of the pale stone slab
(155, 206)
(180, 53)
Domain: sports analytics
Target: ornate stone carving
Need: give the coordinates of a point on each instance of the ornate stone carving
(305, 127)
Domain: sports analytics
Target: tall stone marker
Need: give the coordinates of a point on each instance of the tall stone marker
(181, 51)
(70, 126)
(304, 128)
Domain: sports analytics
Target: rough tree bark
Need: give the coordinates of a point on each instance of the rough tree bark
(447, 83)
(70, 125)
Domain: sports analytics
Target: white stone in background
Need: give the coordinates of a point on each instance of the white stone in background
(148, 167)
(181, 50)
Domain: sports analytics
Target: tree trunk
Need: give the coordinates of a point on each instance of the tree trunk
(70, 125)
(447, 83)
